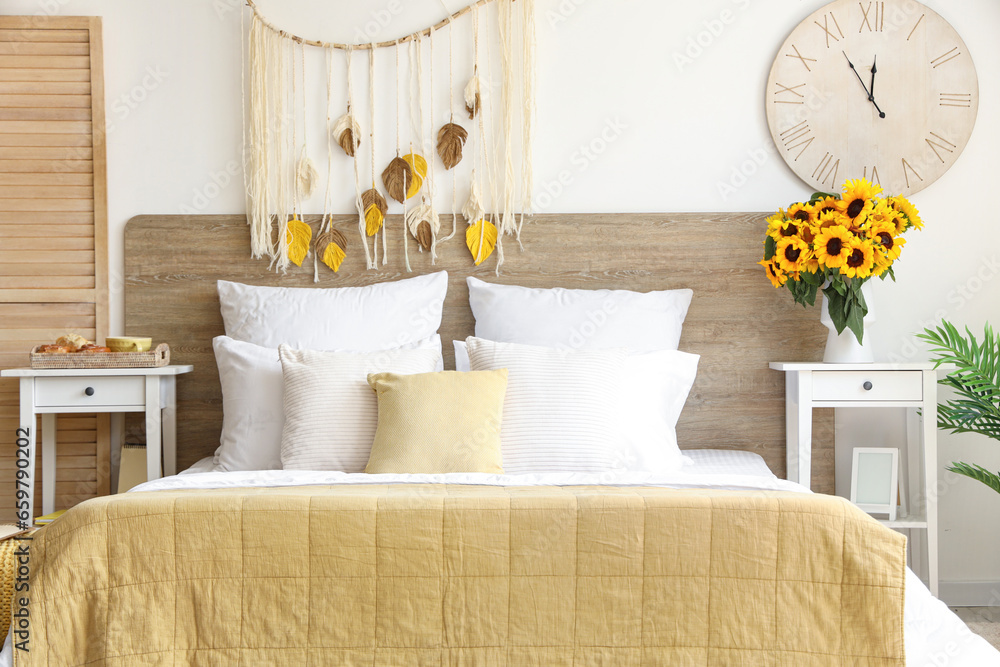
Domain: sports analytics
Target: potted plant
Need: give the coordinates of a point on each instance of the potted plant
(835, 244)
(976, 382)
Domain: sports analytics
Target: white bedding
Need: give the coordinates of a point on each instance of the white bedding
(703, 462)
(934, 635)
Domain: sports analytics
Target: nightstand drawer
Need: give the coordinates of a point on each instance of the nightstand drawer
(86, 391)
(867, 386)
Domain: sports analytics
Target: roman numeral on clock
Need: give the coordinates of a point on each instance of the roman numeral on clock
(919, 20)
(874, 175)
(946, 57)
(877, 22)
(907, 170)
(827, 169)
(797, 136)
(791, 94)
(825, 27)
(956, 100)
(936, 141)
(804, 59)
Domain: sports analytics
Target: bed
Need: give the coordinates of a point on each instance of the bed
(719, 562)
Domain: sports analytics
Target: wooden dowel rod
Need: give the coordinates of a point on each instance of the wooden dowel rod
(336, 45)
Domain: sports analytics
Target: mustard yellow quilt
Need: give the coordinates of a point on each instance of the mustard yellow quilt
(400, 575)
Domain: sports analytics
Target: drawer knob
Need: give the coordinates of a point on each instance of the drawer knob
(89, 391)
(867, 385)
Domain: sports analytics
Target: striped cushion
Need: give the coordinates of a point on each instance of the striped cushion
(330, 411)
(438, 422)
(560, 411)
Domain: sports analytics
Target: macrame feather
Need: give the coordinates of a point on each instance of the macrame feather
(397, 178)
(306, 176)
(298, 236)
(347, 133)
(473, 209)
(450, 141)
(418, 165)
(481, 238)
(374, 207)
(472, 97)
(332, 248)
(424, 224)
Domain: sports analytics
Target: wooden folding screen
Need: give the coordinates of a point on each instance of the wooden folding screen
(53, 226)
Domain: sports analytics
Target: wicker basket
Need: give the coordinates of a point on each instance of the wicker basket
(152, 359)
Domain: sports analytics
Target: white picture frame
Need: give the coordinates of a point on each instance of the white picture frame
(875, 480)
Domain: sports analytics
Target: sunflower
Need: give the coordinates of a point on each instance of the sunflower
(792, 253)
(827, 205)
(860, 259)
(882, 264)
(884, 238)
(810, 265)
(909, 211)
(774, 273)
(802, 213)
(858, 196)
(884, 214)
(832, 246)
(779, 226)
(832, 218)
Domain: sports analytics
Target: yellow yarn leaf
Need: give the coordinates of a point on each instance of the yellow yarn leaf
(299, 234)
(415, 186)
(333, 256)
(373, 219)
(481, 239)
(417, 163)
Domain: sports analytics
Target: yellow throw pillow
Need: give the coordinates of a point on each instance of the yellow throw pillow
(438, 422)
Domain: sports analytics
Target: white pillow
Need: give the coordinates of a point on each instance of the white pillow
(579, 319)
(331, 412)
(655, 387)
(376, 317)
(560, 409)
(252, 406)
(253, 403)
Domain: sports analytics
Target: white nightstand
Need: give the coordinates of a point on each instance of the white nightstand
(912, 386)
(48, 392)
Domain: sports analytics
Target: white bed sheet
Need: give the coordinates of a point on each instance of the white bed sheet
(702, 462)
(934, 635)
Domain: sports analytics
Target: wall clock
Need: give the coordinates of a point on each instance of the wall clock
(880, 90)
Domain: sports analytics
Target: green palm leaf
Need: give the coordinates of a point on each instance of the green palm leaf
(976, 379)
(976, 383)
(978, 473)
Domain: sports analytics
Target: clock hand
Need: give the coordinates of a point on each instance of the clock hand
(881, 114)
(871, 88)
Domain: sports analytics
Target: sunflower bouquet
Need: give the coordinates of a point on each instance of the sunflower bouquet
(836, 244)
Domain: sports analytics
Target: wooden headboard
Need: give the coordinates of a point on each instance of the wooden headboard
(737, 321)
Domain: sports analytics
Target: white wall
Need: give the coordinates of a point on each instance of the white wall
(683, 131)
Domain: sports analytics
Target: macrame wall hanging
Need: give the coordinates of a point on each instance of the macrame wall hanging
(484, 138)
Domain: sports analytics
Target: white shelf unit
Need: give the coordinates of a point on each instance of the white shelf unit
(911, 386)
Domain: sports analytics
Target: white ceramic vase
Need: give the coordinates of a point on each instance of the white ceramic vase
(844, 348)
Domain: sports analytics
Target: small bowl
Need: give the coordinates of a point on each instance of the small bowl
(128, 343)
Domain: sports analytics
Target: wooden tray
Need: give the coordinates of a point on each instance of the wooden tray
(160, 356)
